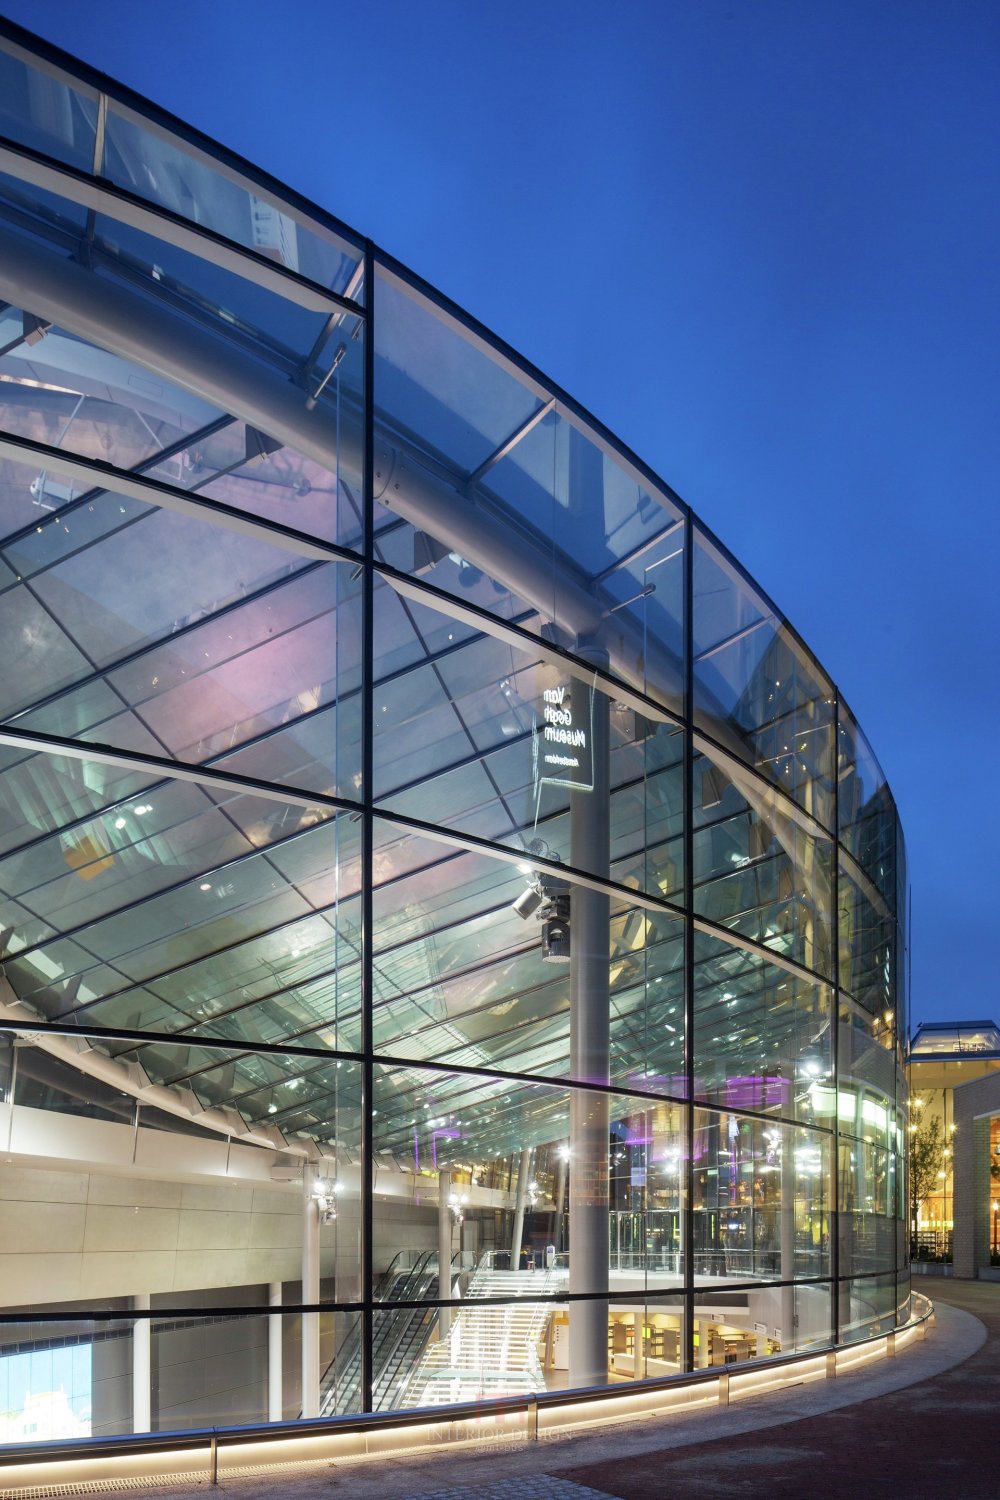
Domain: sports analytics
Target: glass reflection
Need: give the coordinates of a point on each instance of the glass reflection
(579, 934)
(758, 870)
(758, 692)
(142, 157)
(761, 1206)
(477, 735)
(465, 971)
(763, 1038)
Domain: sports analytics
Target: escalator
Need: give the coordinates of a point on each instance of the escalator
(399, 1338)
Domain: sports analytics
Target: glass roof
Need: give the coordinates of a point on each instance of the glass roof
(51, 113)
(955, 1038)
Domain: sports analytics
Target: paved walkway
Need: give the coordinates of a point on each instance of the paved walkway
(936, 1440)
(923, 1425)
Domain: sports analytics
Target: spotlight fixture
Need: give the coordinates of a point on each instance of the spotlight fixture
(528, 902)
(555, 934)
(325, 1197)
(547, 898)
(554, 916)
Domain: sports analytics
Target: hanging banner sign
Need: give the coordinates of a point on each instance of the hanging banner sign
(562, 747)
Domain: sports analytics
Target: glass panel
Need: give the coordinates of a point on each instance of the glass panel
(732, 1328)
(39, 212)
(229, 302)
(865, 1058)
(6, 1066)
(867, 1307)
(438, 383)
(471, 967)
(758, 692)
(564, 537)
(135, 850)
(645, 1338)
(870, 1185)
(41, 110)
(42, 793)
(227, 654)
(867, 1206)
(867, 947)
(73, 395)
(280, 485)
(76, 1377)
(947, 1038)
(761, 1200)
(561, 475)
(756, 869)
(154, 164)
(427, 1356)
(190, 908)
(762, 1034)
(509, 1159)
(903, 1298)
(476, 735)
(866, 809)
(647, 587)
(145, 1169)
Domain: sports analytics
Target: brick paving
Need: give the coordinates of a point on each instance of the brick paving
(521, 1487)
(937, 1440)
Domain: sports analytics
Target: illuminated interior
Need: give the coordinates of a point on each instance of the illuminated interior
(452, 925)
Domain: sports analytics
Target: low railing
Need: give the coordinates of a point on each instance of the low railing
(195, 1455)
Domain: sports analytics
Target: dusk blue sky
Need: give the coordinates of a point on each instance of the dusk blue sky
(759, 241)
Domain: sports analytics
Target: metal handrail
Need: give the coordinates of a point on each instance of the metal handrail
(203, 1439)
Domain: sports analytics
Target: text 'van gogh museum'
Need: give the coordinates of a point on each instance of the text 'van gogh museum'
(452, 926)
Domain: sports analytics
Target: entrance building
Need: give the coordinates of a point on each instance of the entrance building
(452, 923)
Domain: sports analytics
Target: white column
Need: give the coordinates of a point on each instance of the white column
(444, 1249)
(142, 1344)
(275, 1397)
(517, 1233)
(557, 1233)
(787, 1238)
(638, 1360)
(310, 1293)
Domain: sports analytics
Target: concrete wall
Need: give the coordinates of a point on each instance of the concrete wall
(202, 1375)
(78, 1236)
(974, 1190)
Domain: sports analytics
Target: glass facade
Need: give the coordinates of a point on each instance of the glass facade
(452, 926)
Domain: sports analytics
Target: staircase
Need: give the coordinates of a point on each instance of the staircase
(489, 1351)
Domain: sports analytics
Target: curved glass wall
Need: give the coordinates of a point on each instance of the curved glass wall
(452, 925)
